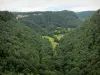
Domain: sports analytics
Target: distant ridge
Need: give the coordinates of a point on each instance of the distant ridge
(85, 15)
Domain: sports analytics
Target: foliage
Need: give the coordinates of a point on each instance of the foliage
(5, 15)
(79, 50)
(85, 15)
(24, 50)
(50, 18)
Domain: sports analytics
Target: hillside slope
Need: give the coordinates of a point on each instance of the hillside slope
(57, 18)
(79, 51)
(85, 15)
(22, 50)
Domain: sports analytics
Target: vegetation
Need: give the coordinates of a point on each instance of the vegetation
(50, 19)
(22, 50)
(49, 44)
(5, 15)
(53, 43)
(85, 15)
(79, 50)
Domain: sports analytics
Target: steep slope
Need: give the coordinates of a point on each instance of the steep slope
(57, 18)
(79, 51)
(37, 28)
(22, 50)
(85, 15)
(5, 15)
(18, 46)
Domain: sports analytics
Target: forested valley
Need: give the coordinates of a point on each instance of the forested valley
(50, 43)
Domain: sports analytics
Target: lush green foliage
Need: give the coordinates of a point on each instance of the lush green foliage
(22, 50)
(49, 23)
(79, 51)
(5, 15)
(25, 48)
(57, 18)
(85, 15)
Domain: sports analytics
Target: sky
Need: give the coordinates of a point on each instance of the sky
(49, 5)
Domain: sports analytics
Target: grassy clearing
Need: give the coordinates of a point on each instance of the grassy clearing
(59, 36)
(52, 41)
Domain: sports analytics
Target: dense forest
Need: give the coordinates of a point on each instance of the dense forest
(57, 18)
(49, 43)
(85, 15)
(50, 20)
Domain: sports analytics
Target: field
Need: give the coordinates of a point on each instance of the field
(59, 36)
(51, 40)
